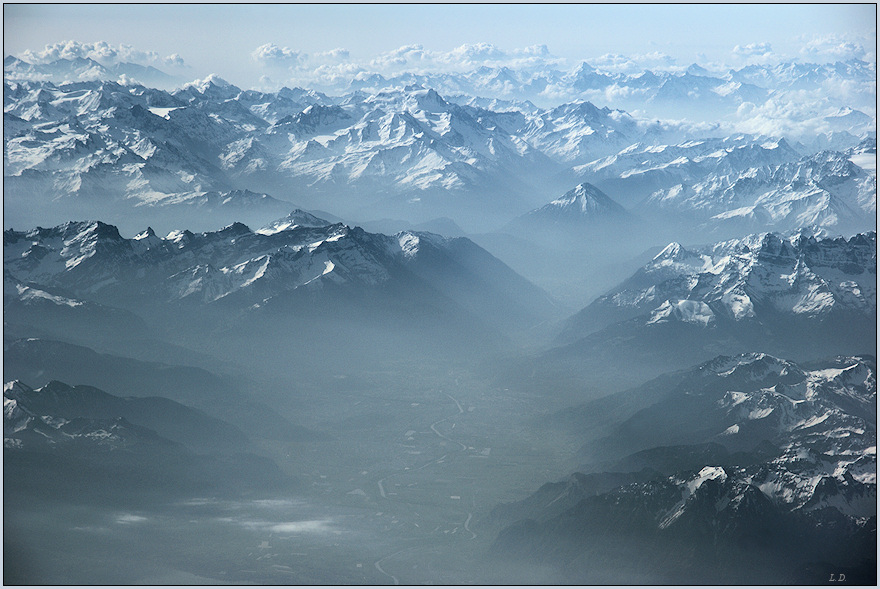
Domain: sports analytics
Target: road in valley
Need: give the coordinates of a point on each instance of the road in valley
(383, 493)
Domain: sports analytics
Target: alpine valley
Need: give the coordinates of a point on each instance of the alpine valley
(508, 324)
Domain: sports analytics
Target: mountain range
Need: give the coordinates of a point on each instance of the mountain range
(238, 283)
(83, 69)
(210, 153)
(762, 275)
(665, 306)
(742, 459)
(797, 295)
(693, 92)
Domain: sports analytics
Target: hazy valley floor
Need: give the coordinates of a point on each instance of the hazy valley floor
(398, 496)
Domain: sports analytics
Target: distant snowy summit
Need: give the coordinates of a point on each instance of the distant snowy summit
(584, 212)
(297, 218)
(84, 69)
(667, 93)
(741, 184)
(584, 203)
(825, 189)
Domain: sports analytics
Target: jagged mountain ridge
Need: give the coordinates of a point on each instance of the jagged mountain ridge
(825, 190)
(643, 168)
(744, 279)
(738, 185)
(696, 93)
(706, 526)
(214, 149)
(240, 270)
(103, 140)
(534, 81)
(739, 402)
(799, 296)
(80, 69)
(96, 139)
(801, 454)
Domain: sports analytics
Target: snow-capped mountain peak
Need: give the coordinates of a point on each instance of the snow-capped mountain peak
(587, 199)
(209, 84)
(298, 218)
(759, 279)
(584, 207)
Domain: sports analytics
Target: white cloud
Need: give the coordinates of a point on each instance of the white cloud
(130, 518)
(611, 61)
(471, 56)
(330, 74)
(173, 60)
(302, 527)
(290, 67)
(832, 47)
(336, 67)
(408, 55)
(753, 50)
(321, 526)
(635, 63)
(272, 54)
(415, 58)
(754, 54)
(125, 80)
(338, 54)
(657, 58)
(100, 51)
(536, 50)
(471, 53)
(557, 93)
(801, 116)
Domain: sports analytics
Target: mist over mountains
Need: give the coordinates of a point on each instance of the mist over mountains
(502, 324)
(401, 149)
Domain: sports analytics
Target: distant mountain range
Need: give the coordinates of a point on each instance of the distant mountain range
(666, 93)
(84, 69)
(38, 361)
(757, 278)
(210, 153)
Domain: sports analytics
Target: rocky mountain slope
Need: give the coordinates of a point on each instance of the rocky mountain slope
(797, 296)
(746, 457)
(241, 285)
(759, 277)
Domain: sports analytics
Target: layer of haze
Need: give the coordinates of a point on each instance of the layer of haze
(211, 38)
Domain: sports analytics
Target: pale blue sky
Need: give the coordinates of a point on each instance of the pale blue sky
(220, 39)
